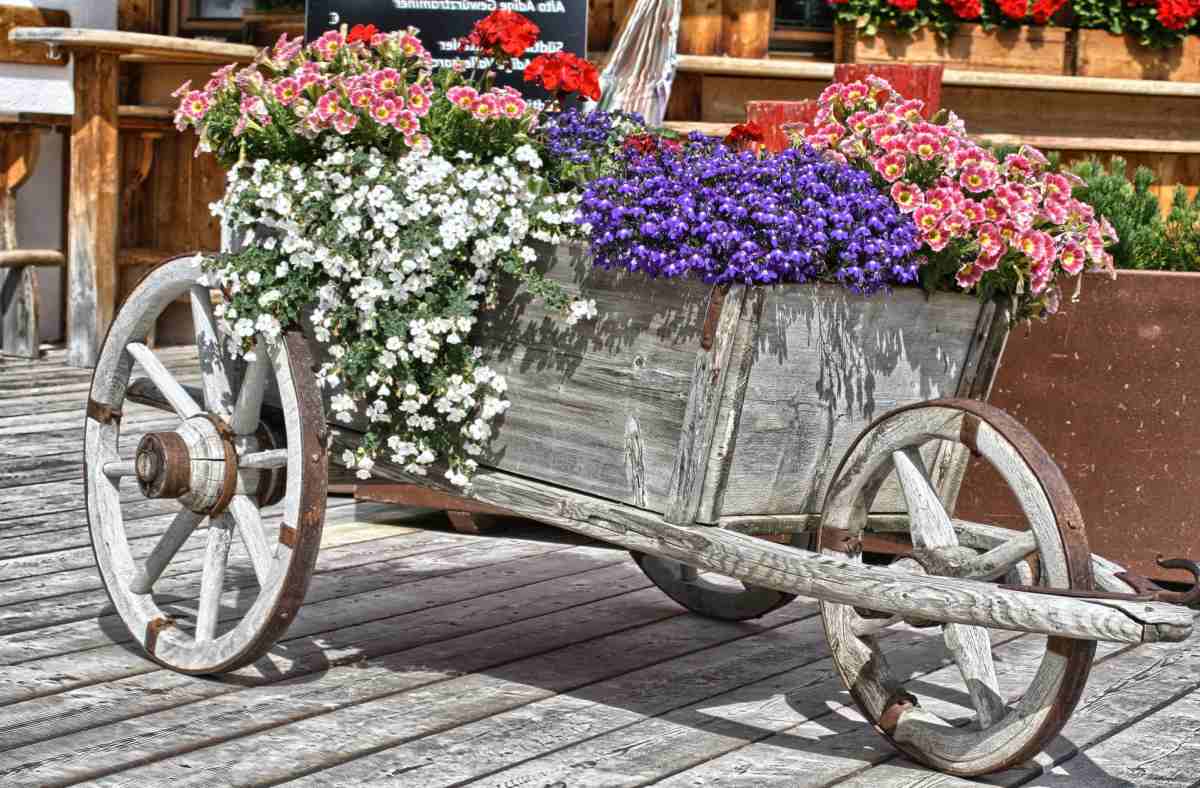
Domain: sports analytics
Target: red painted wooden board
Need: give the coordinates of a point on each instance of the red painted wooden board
(923, 82)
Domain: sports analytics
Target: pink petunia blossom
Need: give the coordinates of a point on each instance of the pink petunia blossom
(345, 122)
(362, 98)
(418, 101)
(486, 108)
(976, 179)
(968, 276)
(906, 196)
(1056, 186)
(991, 242)
(927, 217)
(384, 110)
(1055, 211)
(891, 166)
(987, 262)
(287, 90)
(956, 224)
(386, 80)
(1036, 245)
(973, 211)
(925, 146)
(407, 123)
(328, 106)
(329, 44)
(463, 97)
(1072, 257)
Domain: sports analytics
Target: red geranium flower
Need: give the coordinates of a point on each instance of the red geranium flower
(1044, 9)
(1175, 14)
(362, 33)
(563, 73)
(504, 33)
(1014, 9)
(744, 132)
(641, 143)
(904, 5)
(966, 9)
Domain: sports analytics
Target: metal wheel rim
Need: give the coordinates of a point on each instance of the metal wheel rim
(304, 502)
(1062, 673)
(700, 595)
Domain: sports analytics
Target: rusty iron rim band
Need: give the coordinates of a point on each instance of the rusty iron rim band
(712, 318)
(104, 414)
(1078, 653)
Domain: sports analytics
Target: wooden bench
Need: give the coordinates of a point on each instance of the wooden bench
(94, 196)
(19, 145)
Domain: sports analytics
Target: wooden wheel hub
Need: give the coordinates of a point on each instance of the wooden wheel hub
(197, 464)
(164, 468)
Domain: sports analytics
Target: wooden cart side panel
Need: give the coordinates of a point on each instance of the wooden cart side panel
(827, 363)
(598, 407)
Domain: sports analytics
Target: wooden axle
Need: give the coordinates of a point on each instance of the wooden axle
(797, 571)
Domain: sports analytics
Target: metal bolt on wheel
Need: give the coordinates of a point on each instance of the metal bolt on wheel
(237, 480)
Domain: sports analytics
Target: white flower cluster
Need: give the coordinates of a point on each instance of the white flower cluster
(387, 261)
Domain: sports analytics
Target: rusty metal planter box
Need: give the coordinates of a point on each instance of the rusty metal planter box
(1111, 389)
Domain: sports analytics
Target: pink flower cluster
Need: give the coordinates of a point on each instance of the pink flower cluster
(499, 102)
(974, 212)
(337, 83)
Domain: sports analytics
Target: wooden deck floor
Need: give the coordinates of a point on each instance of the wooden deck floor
(428, 658)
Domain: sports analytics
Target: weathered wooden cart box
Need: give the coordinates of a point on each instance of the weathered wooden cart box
(701, 405)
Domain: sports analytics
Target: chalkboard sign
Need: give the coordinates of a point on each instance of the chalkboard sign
(443, 22)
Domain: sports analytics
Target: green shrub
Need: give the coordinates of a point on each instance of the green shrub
(1147, 240)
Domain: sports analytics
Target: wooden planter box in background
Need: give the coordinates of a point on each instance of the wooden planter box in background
(1109, 388)
(1028, 50)
(1102, 54)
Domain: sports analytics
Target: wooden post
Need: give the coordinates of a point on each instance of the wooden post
(746, 29)
(700, 24)
(600, 25)
(92, 206)
(18, 285)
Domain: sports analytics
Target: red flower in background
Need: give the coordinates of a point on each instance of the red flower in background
(904, 5)
(1044, 9)
(966, 9)
(362, 33)
(563, 73)
(1176, 14)
(504, 33)
(745, 132)
(1014, 9)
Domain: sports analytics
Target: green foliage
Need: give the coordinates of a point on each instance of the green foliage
(1148, 241)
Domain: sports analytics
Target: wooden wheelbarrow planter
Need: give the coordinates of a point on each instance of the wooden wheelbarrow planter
(678, 424)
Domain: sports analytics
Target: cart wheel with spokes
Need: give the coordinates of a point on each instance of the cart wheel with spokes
(236, 475)
(1001, 716)
(708, 594)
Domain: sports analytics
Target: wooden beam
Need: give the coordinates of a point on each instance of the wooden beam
(793, 69)
(83, 40)
(14, 52)
(16, 258)
(92, 206)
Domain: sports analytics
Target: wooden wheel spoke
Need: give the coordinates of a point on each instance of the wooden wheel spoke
(247, 411)
(178, 531)
(929, 524)
(1000, 559)
(264, 460)
(212, 578)
(249, 525)
(218, 394)
(971, 649)
(168, 386)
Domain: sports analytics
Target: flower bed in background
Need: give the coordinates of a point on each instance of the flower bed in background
(1135, 39)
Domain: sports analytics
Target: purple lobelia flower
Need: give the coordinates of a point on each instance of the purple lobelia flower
(721, 215)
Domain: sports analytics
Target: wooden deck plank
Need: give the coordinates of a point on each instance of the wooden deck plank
(364, 595)
(403, 659)
(543, 669)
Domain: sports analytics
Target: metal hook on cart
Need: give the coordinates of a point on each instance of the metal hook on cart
(1186, 598)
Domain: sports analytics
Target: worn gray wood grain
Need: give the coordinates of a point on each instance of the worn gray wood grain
(828, 363)
(762, 563)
